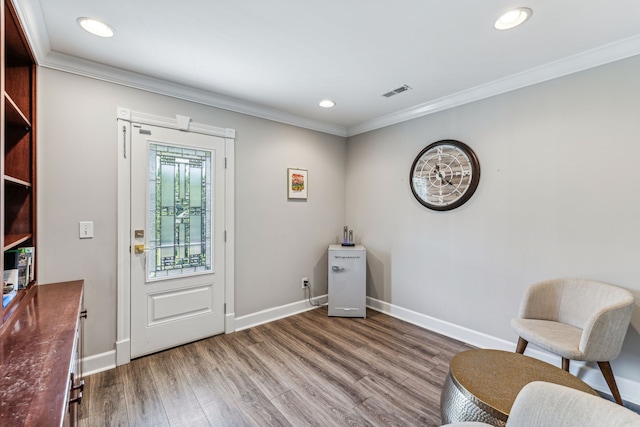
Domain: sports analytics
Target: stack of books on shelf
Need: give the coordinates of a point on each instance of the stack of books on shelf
(18, 273)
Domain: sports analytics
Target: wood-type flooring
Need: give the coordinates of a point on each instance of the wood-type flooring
(304, 370)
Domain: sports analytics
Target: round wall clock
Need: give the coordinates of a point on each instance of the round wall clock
(445, 175)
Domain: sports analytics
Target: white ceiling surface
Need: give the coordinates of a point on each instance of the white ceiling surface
(277, 59)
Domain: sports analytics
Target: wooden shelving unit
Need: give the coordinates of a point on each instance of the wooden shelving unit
(17, 147)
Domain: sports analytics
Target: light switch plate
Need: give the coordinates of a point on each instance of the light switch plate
(86, 229)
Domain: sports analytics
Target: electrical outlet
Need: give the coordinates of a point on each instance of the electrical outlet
(304, 282)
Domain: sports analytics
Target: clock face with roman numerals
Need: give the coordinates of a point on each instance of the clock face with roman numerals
(445, 175)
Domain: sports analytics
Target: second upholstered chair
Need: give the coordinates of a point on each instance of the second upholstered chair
(552, 405)
(577, 320)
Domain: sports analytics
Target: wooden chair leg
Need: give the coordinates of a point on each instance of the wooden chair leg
(605, 367)
(522, 345)
(565, 364)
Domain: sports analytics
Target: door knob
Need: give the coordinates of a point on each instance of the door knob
(139, 249)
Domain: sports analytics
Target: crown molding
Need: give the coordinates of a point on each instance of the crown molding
(603, 55)
(74, 65)
(573, 64)
(30, 15)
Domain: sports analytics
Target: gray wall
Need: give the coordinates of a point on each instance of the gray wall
(559, 196)
(277, 241)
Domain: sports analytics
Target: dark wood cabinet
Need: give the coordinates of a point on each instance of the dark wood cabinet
(18, 150)
(40, 354)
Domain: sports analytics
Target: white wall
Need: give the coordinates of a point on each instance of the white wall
(559, 196)
(277, 241)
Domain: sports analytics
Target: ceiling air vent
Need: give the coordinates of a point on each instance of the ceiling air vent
(396, 91)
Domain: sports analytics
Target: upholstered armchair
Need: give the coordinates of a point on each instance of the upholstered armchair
(552, 405)
(577, 320)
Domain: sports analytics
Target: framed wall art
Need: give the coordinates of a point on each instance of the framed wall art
(297, 183)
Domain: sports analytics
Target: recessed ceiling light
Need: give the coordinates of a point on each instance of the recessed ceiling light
(327, 103)
(513, 18)
(96, 27)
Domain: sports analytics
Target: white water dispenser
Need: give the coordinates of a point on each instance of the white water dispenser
(347, 281)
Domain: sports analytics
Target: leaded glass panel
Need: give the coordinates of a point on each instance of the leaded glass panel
(180, 199)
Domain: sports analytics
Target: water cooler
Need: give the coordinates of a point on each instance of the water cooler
(347, 281)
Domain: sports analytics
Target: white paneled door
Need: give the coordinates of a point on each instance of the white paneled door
(177, 237)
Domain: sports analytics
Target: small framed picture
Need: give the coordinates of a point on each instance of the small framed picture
(297, 183)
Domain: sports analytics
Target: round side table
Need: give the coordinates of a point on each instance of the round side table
(482, 384)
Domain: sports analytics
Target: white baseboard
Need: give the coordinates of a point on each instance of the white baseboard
(469, 336)
(109, 360)
(229, 322)
(271, 314)
(123, 352)
(98, 363)
(629, 389)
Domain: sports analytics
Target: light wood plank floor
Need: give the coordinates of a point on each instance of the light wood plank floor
(304, 370)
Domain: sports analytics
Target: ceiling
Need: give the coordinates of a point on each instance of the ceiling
(277, 59)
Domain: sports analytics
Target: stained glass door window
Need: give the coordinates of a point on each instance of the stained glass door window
(180, 203)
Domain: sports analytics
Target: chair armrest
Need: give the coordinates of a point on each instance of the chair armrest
(604, 333)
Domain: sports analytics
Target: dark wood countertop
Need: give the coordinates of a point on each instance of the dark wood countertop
(36, 350)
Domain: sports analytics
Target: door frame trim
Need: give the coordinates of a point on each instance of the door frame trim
(125, 117)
